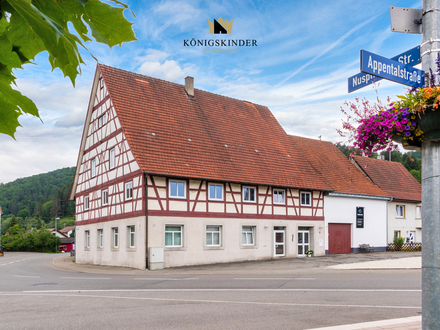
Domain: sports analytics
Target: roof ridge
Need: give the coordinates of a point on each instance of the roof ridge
(174, 83)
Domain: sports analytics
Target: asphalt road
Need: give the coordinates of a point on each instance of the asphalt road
(37, 295)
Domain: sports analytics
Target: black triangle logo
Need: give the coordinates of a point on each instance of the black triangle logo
(218, 28)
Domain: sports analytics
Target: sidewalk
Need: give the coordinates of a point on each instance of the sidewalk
(376, 261)
(407, 323)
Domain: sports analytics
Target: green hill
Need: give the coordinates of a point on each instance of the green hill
(43, 196)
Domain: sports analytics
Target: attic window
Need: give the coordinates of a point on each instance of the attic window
(101, 83)
(101, 121)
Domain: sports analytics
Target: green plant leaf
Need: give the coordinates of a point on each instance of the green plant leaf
(108, 23)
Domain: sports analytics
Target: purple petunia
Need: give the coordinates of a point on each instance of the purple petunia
(407, 128)
(408, 133)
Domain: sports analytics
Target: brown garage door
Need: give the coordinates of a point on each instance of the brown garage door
(339, 238)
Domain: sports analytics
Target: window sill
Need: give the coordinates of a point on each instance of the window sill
(175, 248)
(248, 247)
(100, 249)
(87, 249)
(114, 249)
(213, 247)
(129, 249)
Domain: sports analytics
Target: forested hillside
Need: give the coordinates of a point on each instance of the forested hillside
(42, 196)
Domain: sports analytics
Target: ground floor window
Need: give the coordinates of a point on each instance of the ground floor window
(248, 235)
(87, 238)
(115, 234)
(100, 238)
(213, 235)
(131, 236)
(173, 236)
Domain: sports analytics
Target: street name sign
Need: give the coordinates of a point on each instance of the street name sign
(386, 68)
(360, 80)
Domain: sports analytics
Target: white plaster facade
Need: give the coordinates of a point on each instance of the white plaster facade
(123, 255)
(339, 209)
(194, 250)
(409, 222)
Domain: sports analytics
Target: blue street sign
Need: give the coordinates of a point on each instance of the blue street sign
(392, 70)
(410, 57)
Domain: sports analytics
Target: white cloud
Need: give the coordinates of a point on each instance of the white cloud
(169, 70)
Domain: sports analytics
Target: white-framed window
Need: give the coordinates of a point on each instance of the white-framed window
(279, 196)
(87, 239)
(418, 212)
(115, 237)
(248, 235)
(86, 203)
(101, 121)
(105, 197)
(306, 199)
(396, 234)
(112, 158)
(249, 194)
(100, 238)
(128, 190)
(173, 236)
(177, 189)
(400, 211)
(131, 236)
(215, 192)
(101, 83)
(93, 167)
(213, 235)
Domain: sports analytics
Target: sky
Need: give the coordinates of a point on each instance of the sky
(306, 51)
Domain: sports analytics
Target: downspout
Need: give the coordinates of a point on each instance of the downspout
(146, 219)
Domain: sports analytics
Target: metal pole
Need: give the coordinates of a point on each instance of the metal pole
(56, 234)
(430, 184)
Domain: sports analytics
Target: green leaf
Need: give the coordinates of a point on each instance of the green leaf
(14, 97)
(108, 23)
(7, 56)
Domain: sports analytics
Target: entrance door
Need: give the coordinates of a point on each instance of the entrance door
(339, 238)
(279, 243)
(303, 242)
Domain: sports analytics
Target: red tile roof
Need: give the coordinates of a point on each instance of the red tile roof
(335, 168)
(392, 177)
(207, 136)
(67, 229)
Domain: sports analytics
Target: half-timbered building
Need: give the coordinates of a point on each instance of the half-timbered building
(206, 178)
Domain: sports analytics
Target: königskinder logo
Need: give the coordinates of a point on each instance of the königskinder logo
(220, 26)
(215, 45)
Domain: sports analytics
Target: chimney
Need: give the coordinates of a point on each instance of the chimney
(189, 85)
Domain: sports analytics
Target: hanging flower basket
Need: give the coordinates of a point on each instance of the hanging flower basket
(409, 145)
(429, 123)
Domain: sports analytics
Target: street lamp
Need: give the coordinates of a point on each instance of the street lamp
(56, 234)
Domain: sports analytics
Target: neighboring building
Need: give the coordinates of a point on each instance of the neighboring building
(67, 230)
(67, 244)
(405, 211)
(58, 233)
(356, 211)
(206, 177)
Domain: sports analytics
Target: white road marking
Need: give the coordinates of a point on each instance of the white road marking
(26, 276)
(226, 290)
(86, 278)
(274, 278)
(218, 301)
(165, 279)
(3, 264)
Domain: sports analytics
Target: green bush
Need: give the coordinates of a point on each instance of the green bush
(34, 240)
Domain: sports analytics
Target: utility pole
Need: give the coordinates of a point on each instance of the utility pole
(429, 50)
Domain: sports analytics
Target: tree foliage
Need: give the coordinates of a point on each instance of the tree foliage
(29, 27)
(19, 239)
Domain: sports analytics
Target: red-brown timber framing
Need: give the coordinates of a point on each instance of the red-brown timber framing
(317, 203)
